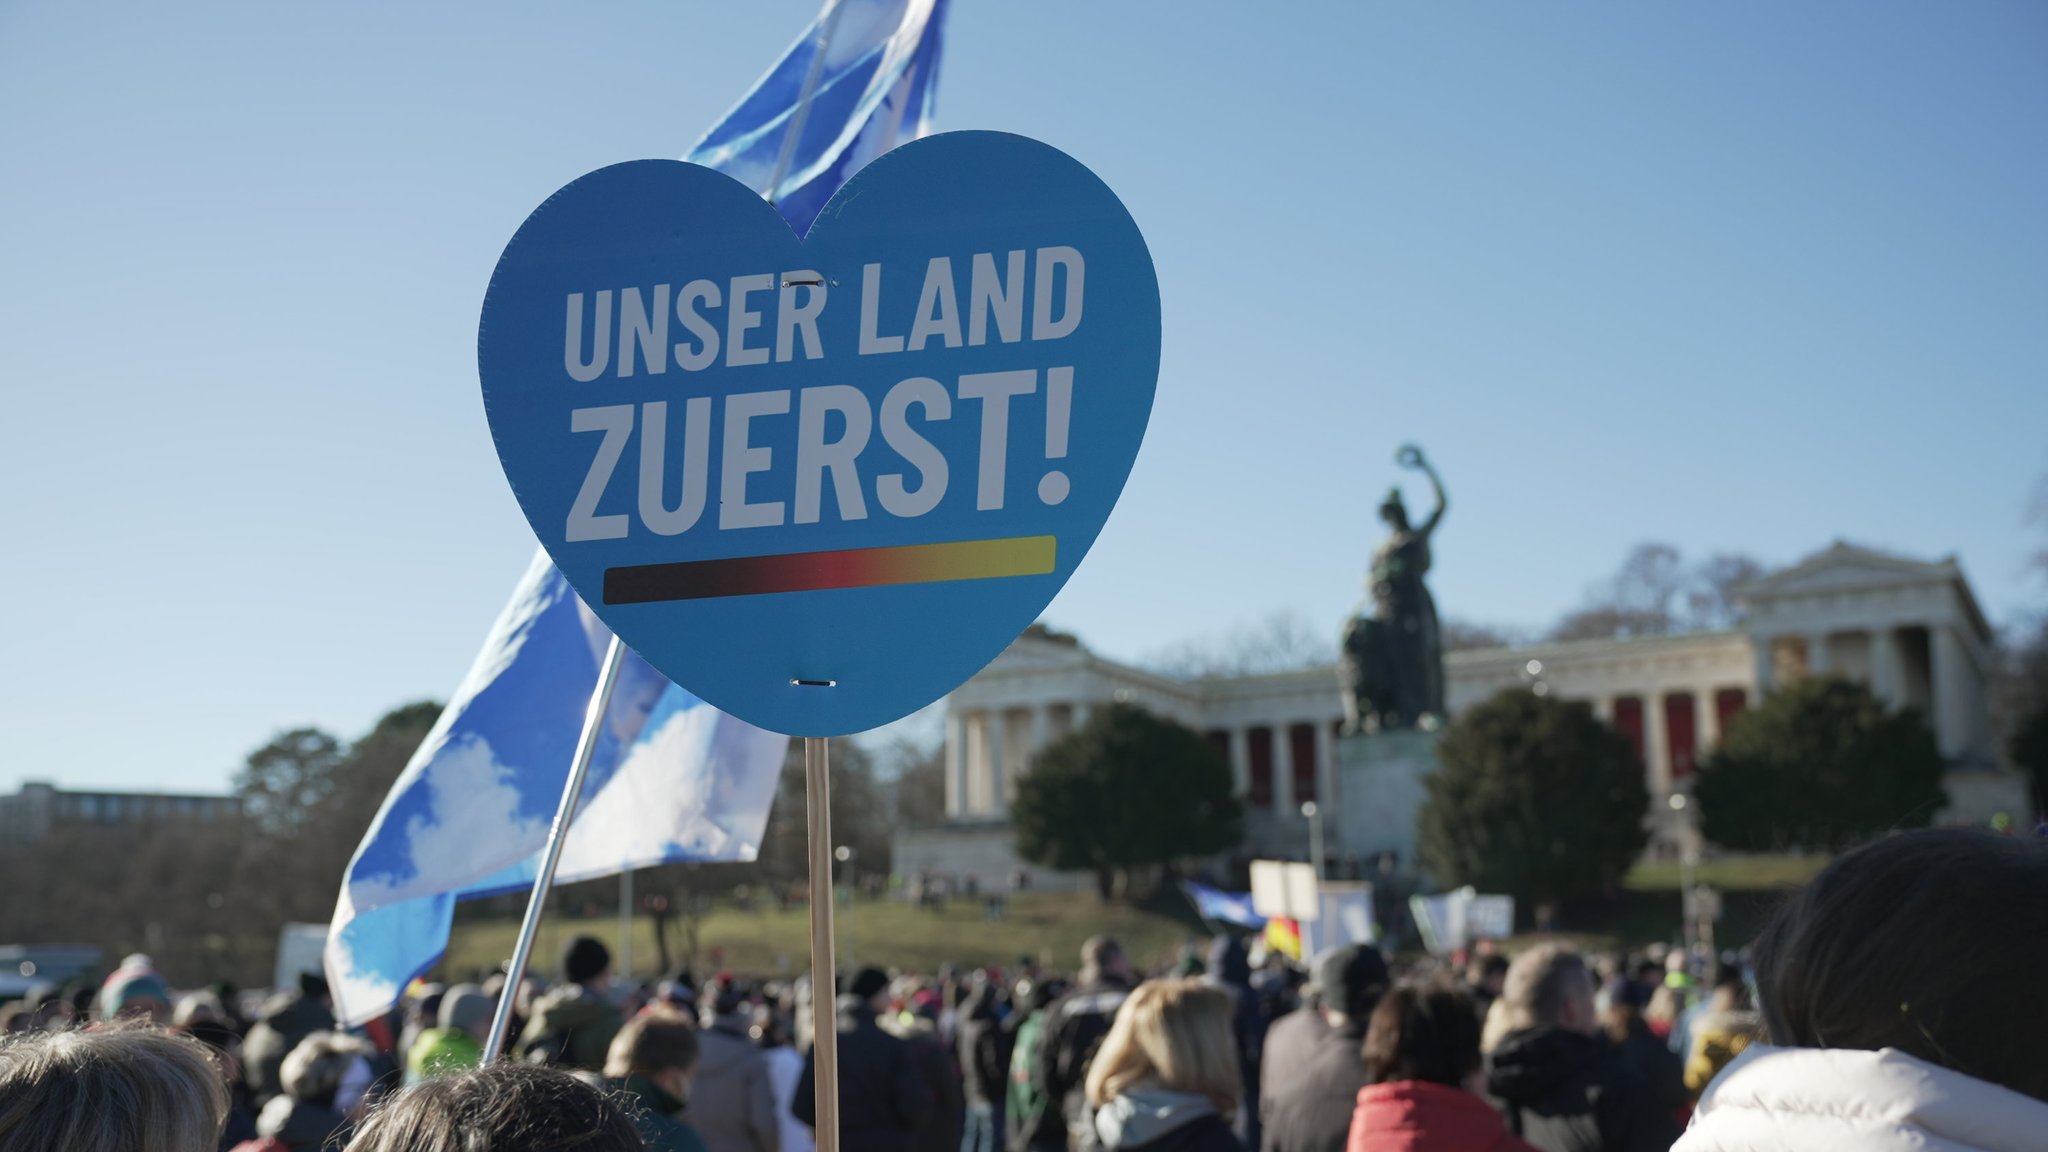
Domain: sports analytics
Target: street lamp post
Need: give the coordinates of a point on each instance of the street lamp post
(1688, 864)
(1315, 860)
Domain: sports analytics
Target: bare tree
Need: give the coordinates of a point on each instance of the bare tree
(1282, 642)
(1656, 592)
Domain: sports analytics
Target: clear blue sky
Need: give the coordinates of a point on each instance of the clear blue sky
(1744, 277)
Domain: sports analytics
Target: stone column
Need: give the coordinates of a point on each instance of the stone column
(1656, 749)
(1950, 674)
(1326, 777)
(1816, 654)
(1603, 709)
(956, 766)
(1041, 729)
(998, 759)
(1240, 762)
(1764, 649)
(1706, 724)
(1283, 770)
(1884, 666)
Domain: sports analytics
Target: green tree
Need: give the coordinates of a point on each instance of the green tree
(1126, 790)
(1534, 797)
(1820, 764)
(283, 782)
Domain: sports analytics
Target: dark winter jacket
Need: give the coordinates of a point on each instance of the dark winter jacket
(1417, 1116)
(1155, 1120)
(572, 1027)
(1074, 1027)
(657, 1116)
(1232, 972)
(1566, 1091)
(286, 1021)
(882, 1093)
(1311, 1100)
(942, 1127)
(732, 1098)
(984, 1056)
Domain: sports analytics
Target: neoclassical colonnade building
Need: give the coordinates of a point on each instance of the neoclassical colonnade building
(1910, 629)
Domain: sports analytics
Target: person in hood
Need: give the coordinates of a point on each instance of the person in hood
(1421, 1057)
(311, 1109)
(1556, 1078)
(573, 1024)
(1074, 1027)
(1166, 1077)
(457, 1045)
(650, 1065)
(1229, 970)
(1312, 1097)
(883, 1099)
(735, 1086)
(287, 1019)
(1900, 993)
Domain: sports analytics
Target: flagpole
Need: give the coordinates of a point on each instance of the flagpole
(522, 951)
(824, 1023)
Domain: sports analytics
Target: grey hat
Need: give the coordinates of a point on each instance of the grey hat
(466, 1007)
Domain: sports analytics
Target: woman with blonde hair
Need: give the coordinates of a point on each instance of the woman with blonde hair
(1166, 1076)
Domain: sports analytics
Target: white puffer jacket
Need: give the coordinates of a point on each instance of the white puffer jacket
(1819, 1100)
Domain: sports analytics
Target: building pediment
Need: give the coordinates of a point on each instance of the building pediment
(1846, 566)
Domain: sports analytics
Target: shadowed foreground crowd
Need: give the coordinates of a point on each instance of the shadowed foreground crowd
(1895, 1003)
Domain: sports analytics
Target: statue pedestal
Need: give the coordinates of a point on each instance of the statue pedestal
(1380, 783)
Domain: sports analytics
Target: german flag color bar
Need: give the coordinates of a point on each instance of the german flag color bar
(817, 571)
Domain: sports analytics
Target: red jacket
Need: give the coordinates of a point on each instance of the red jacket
(1417, 1116)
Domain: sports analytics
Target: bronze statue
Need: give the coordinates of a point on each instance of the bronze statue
(1393, 663)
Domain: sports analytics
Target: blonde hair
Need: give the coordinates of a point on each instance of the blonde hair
(1171, 1034)
(654, 1041)
(122, 1088)
(313, 1070)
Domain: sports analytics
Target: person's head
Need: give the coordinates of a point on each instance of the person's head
(506, 1106)
(1170, 1034)
(1103, 958)
(125, 1088)
(313, 1070)
(1487, 973)
(1731, 994)
(587, 961)
(870, 986)
(1350, 980)
(136, 992)
(1393, 511)
(465, 1006)
(1548, 984)
(725, 1002)
(1423, 1031)
(659, 1046)
(1928, 942)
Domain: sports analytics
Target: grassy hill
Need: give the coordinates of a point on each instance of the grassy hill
(1050, 926)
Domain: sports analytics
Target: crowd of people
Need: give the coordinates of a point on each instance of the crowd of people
(1895, 1002)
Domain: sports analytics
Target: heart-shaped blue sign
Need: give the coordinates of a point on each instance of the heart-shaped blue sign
(821, 482)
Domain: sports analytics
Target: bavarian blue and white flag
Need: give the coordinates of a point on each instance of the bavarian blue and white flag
(672, 779)
(1227, 907)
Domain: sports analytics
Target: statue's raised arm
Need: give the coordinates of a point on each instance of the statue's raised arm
(1411, 456)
